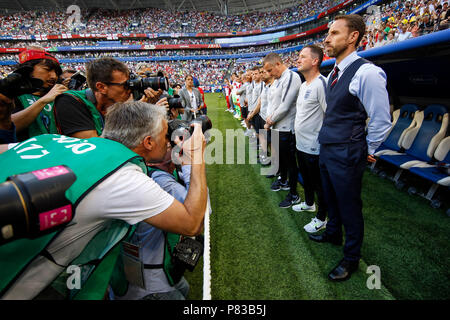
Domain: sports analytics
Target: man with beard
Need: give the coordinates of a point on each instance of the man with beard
(356, 90)
(33, 113)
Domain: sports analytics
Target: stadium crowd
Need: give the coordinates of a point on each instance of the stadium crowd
(396, 21)
(401, 20)
(149, 20)
(94, 42)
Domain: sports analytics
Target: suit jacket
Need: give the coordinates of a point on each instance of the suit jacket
(186, 99)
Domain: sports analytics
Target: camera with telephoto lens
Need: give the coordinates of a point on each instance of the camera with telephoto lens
(183, 128)
(34, 203)
(138, 84)
(77, 81)
(17, 83)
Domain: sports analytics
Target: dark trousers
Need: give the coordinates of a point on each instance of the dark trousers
(308, 164)
(288, 164)
(341, 169)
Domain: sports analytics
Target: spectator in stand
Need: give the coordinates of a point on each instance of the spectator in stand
(404, 33)
(390, 37)
(444, 16)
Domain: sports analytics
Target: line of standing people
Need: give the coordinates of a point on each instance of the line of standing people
(318, 128)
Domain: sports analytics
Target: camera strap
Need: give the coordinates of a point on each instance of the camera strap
(91, 96)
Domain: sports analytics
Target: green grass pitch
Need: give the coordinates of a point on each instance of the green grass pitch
(259, 251)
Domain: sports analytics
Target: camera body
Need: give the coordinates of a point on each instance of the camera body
(16, 84)
(77, 81)
(183, 128)
(187, 252)
(175, 102)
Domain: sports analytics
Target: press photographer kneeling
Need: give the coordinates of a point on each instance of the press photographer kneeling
(114, 187)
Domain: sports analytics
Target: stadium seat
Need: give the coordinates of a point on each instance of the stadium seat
(403, 121)
(438, 173)
(421, 142)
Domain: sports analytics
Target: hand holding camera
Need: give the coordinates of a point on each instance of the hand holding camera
(163, 103)
(194, 147)
(53, 93)
(151, 96)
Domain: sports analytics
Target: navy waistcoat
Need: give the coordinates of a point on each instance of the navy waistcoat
(345, 118)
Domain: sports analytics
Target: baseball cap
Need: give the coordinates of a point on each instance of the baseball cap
(33, 54)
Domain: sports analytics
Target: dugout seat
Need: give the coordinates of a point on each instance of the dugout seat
(436, 173)
(403, 121)
(421, 142)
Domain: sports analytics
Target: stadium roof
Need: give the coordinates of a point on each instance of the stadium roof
(219, 6)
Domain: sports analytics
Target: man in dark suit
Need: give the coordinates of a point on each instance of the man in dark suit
(356, 90)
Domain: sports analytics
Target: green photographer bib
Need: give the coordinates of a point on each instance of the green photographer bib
(96, 116)
(92, 160)
(44, 122)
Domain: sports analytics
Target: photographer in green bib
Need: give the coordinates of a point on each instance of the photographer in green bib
(80, 114)
(111, 185)
(161, 274)
(33, 112)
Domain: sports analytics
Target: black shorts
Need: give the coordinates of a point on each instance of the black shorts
(259, 122)
(244, 112)
(252, 122)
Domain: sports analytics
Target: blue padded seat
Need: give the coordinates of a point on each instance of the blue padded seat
(432, 172)
(404, 120)
(431, 125)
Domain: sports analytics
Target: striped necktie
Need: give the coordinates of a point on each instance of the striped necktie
(334, 76)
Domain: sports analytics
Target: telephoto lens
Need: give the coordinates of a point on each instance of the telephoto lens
(138, 84)
(34, 203)
(156, 83)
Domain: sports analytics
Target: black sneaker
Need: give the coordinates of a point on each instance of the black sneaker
(277, 185)
(289, 201)
(285, 185)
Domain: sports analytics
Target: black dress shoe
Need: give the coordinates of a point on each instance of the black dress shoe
(343, 270)
(325, 237)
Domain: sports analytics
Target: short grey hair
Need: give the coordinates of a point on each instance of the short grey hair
(130, 122)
